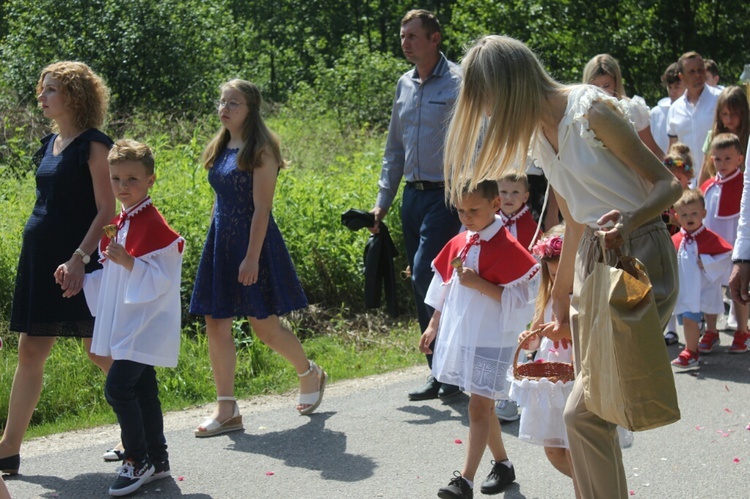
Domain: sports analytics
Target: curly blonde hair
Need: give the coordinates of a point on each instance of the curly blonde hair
(86, 93)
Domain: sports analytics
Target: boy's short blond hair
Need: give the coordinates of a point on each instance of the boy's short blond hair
(130, 150)
(725, 141)
(515, 177)
(690, 196)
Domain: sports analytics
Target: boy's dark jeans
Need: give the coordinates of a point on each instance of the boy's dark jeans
(132, 392)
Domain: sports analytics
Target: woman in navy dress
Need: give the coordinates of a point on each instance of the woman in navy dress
(245, 269)
(73, 202)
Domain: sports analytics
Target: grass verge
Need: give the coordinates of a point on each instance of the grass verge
(348, 347)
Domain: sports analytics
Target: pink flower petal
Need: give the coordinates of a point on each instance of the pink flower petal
(632, 492)
(180, 478)
(700, 427)
(726, 409)
(747, 427)
(270, 473)
(458, 441)
(736, 459)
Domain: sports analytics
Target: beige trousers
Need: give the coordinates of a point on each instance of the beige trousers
(594, 445)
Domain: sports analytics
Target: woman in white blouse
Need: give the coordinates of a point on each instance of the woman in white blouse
(604, 178)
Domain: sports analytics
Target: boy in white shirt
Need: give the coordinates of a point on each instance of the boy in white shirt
(702, 261)
(723, 195)
(136, 301)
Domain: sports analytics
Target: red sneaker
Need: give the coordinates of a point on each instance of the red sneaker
(686, 360)
(709, 341)
(741, 342)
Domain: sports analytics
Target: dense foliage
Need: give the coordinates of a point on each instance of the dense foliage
(171, 54)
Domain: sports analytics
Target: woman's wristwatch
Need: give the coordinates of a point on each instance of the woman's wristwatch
(85, 258)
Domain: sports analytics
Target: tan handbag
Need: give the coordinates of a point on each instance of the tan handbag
(627, 378)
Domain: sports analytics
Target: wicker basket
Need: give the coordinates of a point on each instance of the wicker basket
(553, 371)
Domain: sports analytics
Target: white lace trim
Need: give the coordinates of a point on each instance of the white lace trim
(528, 276)
(580, 101)
(165, 249)
(139, 207)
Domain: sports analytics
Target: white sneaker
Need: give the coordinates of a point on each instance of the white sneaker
(507, 410)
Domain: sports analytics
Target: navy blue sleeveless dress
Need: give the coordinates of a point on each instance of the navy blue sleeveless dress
(217, 292)
(64, 210)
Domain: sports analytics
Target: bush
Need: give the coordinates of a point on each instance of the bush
(357, 90)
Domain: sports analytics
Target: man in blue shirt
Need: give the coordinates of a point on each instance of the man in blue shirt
(414, 151)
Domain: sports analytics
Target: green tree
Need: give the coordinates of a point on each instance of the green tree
(164, 54)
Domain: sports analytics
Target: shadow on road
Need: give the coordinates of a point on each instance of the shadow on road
(311, 446)
(96, 485)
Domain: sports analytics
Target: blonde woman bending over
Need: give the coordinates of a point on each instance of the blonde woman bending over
(604, 178)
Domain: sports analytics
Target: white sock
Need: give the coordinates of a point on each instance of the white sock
(471, 484)
(507, 463)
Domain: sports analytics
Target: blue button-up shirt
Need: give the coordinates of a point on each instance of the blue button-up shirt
(419, 120)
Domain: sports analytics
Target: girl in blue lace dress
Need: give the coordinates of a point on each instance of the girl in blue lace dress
(245, 269)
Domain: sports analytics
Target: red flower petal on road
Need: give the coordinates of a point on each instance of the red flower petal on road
(736, 460)
(180, 478)
(698, 427)
(632, 492)
(726, 409)
(458, 441)
(270, 473)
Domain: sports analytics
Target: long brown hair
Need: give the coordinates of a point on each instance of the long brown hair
(735, 99)
(257, 139)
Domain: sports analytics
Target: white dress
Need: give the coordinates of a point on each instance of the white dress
(542, 402)
(477, 335)
(138, 312)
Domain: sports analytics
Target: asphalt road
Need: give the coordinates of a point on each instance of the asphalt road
(369, 441)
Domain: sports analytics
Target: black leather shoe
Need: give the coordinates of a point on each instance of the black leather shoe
(428, 391)
(447, 391)
(457, 488)
(9, 465)
(500, 477)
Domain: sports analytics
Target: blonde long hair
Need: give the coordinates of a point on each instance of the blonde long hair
(503, 78)
(605, 64)
(256, 136)
(545, 286)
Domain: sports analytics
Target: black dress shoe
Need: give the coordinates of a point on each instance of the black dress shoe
(447, 391)
(457, 488)
(9, 465)
(500, 477)
(428, 391)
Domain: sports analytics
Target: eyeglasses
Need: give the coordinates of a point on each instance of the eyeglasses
(229, 104)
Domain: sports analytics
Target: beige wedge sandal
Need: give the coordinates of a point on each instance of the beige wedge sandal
(210, 427)
(314, 398)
